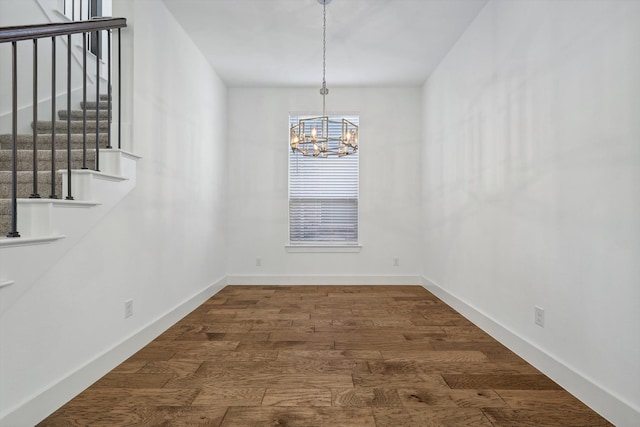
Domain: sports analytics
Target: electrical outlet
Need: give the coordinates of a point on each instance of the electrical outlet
(258, 262)
(539, 316)
(128, 308)
(396, 261)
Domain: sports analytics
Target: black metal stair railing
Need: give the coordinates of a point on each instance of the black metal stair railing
(17, 34)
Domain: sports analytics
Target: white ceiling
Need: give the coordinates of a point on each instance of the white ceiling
(264, 43)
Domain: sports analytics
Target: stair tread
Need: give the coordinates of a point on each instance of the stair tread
(78, 115)
(92, 105)
(24, 159)
(73, 122)
(77, 126)
(44, 141)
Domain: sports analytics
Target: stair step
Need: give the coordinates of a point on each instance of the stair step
(78, 114)
(25, 142)
(91, 105)
(5, 217)
(105, 97)
(76, 126)
(5, 208)
(25, 184)
(25, 159)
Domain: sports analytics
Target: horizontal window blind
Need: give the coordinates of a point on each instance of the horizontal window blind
(323, 195)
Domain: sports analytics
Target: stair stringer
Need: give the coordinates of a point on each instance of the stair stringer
(50, 228)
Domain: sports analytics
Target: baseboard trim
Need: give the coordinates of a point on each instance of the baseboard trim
(318, 279)
(611, 407)
(46, 402)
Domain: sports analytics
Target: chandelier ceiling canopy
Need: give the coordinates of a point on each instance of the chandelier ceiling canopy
(324, 136)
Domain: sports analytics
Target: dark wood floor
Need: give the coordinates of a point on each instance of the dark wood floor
(324, 356)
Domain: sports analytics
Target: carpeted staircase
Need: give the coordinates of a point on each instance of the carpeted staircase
(25, 155)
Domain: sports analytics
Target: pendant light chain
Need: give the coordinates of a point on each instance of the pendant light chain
(324, 91)
(324, 44)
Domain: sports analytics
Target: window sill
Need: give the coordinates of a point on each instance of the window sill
(324, 248)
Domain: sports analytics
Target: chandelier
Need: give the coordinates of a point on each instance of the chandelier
(324, 136)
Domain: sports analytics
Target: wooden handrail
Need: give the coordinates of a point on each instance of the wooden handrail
(30, 32)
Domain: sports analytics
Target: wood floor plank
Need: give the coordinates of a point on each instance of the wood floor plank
(348, 324)
(297, 417)
(287, 344)
(413, 417)
(424, 398)
(556, 400)
(101, 398)
(270, 325)
(501, 417)
(297, 397)
(214, 395)
(485, 347)
(397, 380)
(173, 367)
(262, 380)
(365, 397)
(365, 336)
(224, 357)
(392, 356)
(485, 367)
(356, 355)
(502, 382)
(315, 366)
(135, 380)
(380, 344)
(433, 356)
(137, 415)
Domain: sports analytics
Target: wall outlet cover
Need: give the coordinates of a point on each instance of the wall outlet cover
(128, 308)
(539, 316)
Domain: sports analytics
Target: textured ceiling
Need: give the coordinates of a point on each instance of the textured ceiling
(264, 43)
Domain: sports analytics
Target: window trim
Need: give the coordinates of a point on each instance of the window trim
(323, 248)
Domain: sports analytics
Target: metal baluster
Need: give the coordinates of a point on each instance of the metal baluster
(35, 194)
(69, 196)
(84, 100)
(14, 148)
(53, 119)
(119, 88)
(109, 89)
(98, 101)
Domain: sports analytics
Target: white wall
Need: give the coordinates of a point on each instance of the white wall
(389, 184)
(531, 184)
(163, 245)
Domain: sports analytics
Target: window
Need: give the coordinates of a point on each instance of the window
(323, 197)
(84, 10)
